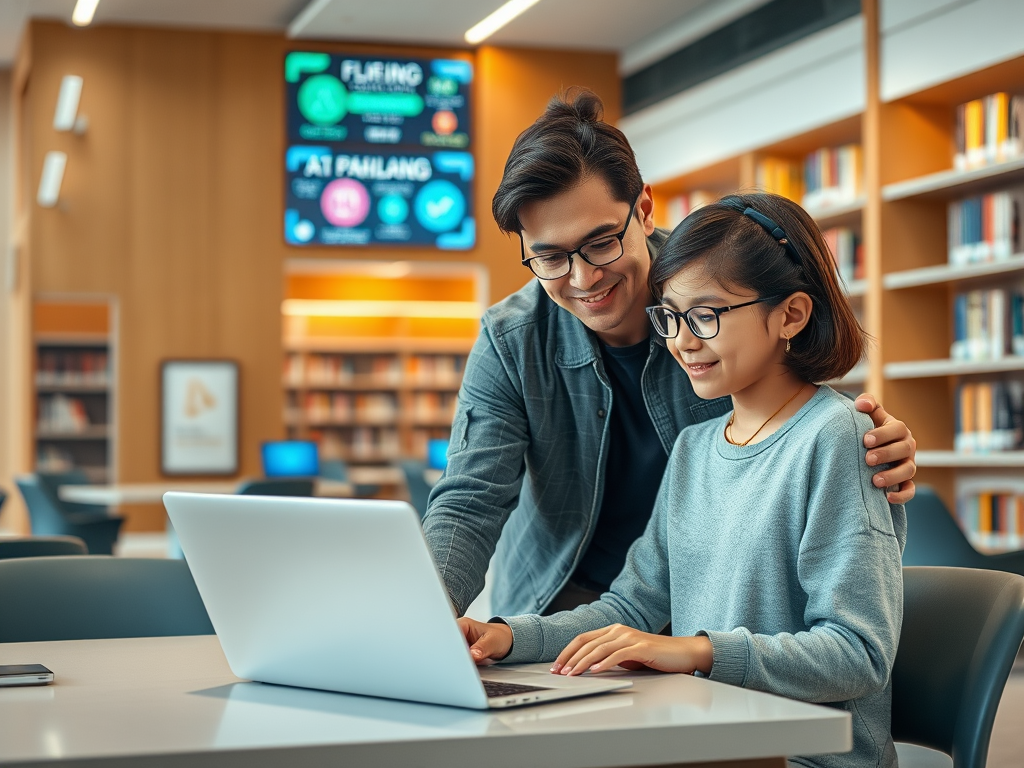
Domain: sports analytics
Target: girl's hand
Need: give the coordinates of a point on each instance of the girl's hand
(890, 443)
(487, 642)
(603, 649)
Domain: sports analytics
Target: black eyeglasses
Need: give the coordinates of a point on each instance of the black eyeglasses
(704, 322)
(597, 253)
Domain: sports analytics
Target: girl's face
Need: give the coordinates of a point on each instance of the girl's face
(746, 357)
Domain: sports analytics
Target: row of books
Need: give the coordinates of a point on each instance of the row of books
(992, 520)
(988, 130)
(679, 207)
(361, 443)
(781, 176)
(343, 406)
(434, 405)
(833, 176)
(440, 368)
(985, 228)
(988, 416)
(848, 252)
(988, 324)
(60, 413)
(336, 369)
(74, 367)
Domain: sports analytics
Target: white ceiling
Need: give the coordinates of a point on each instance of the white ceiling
(639, 30)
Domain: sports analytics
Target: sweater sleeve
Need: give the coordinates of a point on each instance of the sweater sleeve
(850, 571)
(469, 505)
(639, 597)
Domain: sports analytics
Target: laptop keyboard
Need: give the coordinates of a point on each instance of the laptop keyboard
(494, 689)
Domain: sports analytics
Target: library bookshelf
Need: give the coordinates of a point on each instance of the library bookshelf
(73, 352)
(908, 289)
(374, 354)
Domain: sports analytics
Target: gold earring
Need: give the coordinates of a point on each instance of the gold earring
(787, 345)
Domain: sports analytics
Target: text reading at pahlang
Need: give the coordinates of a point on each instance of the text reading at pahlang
(381, 72)
(373, 167)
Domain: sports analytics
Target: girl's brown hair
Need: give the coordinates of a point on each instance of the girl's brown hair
(739, 249)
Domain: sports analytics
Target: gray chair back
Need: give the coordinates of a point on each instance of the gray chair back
(962, 628)
(48, 516)
(416, 483)
(82, 598)
(285, 486)
(41, 546)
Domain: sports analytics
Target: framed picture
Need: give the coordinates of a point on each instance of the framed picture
(199, 417)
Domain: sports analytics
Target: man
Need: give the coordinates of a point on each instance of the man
(569, 407)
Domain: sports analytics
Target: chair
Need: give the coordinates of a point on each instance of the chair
(41, 546)
(961, 631)
(3, 498)
(83, 598)
(336, 469)
(48, 515)
(290, 486)
(934, 538)
(416, 483)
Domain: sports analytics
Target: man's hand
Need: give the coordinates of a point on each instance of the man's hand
(617, 645)
(890, 442)
(487, 642)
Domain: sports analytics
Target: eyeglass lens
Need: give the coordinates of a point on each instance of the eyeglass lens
(597, 254)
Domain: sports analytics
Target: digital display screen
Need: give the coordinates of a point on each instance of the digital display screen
(378, 151)
(290, 458)
(374, 100)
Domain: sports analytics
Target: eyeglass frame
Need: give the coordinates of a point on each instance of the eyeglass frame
(569, 254)
(685, 316)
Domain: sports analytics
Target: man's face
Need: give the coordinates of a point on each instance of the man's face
(609, 300)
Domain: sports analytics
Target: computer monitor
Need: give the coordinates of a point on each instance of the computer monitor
(437, 454)
(290, 458)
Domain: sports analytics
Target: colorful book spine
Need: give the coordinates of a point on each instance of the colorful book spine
(992, 520)
(833, 177)
(988, 130)
(987, 325)
(985, 228)
(988, 416)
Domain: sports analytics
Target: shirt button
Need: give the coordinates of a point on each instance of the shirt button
(600, 413)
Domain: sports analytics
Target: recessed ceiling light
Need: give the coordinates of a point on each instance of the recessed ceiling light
(83, 13)
(496, 20)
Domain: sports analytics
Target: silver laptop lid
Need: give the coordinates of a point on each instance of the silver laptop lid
(338, 594)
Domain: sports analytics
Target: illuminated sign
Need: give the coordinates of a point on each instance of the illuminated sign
(362, 196)
(360, 99)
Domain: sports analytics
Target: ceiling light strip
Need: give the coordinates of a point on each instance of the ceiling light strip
(470, 310)
(83, 13)
(497, 20)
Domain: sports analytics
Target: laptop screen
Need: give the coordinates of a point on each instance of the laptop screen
(290, 458)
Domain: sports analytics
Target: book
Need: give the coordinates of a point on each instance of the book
(988, 130)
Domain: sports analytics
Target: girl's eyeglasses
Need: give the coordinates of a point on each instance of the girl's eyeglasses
(703, 322)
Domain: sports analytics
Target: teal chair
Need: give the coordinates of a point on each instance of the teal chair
(962, 628)
(89, 597)
(416, 483)
(41, 546)
(284, 486)
(934, 538)
(50, 516)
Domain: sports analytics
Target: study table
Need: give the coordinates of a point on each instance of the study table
(172, 701)
(153, 493)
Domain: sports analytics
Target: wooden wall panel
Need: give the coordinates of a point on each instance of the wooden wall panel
(173, 199)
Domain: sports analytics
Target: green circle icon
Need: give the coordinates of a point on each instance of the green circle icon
(322, 100)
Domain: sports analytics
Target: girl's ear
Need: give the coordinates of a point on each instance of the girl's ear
(796, 313)
(647, 210)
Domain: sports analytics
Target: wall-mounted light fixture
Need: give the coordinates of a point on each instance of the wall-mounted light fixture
(50, 181)
(65, 117)
(496, 20)
(83, 13)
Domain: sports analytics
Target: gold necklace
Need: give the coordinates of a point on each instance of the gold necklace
(728, 427)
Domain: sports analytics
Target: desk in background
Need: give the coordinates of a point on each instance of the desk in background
(153, 493)
(173, 701)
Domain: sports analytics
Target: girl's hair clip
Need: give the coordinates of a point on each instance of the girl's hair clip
(775, 231)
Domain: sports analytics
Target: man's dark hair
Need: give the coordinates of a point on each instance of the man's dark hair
(566, 145)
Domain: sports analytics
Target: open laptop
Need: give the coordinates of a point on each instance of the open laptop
(341, 595)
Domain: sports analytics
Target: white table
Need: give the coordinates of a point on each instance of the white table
(172, 702)
(153, 493)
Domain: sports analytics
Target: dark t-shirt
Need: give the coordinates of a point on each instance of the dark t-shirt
(636, 462)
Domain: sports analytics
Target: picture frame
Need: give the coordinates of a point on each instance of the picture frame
(199, 417)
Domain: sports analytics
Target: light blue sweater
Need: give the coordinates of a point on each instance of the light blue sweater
(784, 554)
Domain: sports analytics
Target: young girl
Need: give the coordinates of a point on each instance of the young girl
(769, 550)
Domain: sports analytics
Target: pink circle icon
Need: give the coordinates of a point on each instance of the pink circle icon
(345, 203)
